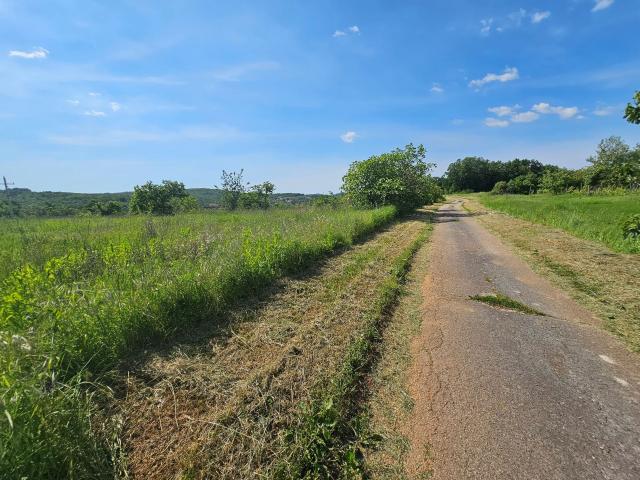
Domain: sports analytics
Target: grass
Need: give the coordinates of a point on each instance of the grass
(503, 301)
(598, 217)
(79, 295)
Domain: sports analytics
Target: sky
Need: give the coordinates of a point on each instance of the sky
(99, 96)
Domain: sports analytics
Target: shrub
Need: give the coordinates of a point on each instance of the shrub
(162, 199)
(500, 188)
(399, 178)
(631, 227)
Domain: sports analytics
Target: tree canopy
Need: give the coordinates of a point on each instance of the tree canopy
(400, 177)
(632, 112)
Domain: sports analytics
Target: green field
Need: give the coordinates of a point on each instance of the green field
(597, 217)
(79, 294)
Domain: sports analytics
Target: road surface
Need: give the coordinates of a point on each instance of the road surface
(504, 395)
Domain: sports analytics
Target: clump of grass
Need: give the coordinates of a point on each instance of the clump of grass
(598, 217)
(503, 301)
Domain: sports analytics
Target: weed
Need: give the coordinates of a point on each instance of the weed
(503, 301)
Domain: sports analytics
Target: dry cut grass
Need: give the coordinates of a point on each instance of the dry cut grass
(229, 406)
(604, 281)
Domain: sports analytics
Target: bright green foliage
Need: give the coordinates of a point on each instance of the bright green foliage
(117, 285)
(592, 217)
(477, 174)
(232, 189)
(561, 180)
(164, 199)
(631, 227)
(632, 112)
(259, 196)
(399, 178)
(615, 165)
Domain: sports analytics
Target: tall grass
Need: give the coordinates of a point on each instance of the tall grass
(87, 292)
(598, 217)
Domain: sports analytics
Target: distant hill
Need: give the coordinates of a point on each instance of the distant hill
(25, 203)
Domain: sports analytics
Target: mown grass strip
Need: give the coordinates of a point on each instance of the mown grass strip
(503, 301)
(332, 429)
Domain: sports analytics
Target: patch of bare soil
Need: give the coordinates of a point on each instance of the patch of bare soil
(605, 282)
(220, 407)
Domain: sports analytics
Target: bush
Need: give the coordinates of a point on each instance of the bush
(166, 199)
(631, 227)
(500, 188)
(399, 178)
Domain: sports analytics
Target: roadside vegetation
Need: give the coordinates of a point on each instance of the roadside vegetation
(81, 299)
(501, 300)
(601, 218)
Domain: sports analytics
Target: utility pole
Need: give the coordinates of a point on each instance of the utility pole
(6, 184)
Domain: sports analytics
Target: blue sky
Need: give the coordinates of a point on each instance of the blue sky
(99, 96)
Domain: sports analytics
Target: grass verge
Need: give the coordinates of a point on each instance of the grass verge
(503, 301)
(597, 217)
(333, 429)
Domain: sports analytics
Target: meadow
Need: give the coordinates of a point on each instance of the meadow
(597, 217)
(78, 295)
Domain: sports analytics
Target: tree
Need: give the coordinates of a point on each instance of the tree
(232, 188)
(615, 164)
(400, 177)
(259, 196)
(474, 173)
(157, 199)
(632, 113)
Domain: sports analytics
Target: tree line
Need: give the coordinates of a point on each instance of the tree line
(615, 165)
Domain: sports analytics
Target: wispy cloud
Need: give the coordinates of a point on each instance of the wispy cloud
(601, 5)
(525, 117)
(94, 113)
(503, 111)
(508, 75)
(348, 137)
(94, 94)
(605, 111)
(236, 73)
(352, 30)
(537, 17)
(485, 26)
(496, 122)
(563, 112)
(201, 133)
(436, 88)
(37, 52)
(75, 103)
(115, 106)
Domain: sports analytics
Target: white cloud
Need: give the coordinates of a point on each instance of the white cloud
(115, 106)
(563, 112)
(37, 52)
(515, 18)
(604, 111)
(508, 75)
(348, 137)
(537, 17)
(75, 103)
(95, 113)
(353, 29)
(601, 5)
(436, 88)
(495, 122)
(485, 26)
(94, 94)
(525, 117)
(502, 111)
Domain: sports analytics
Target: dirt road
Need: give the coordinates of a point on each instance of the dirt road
(504, 395)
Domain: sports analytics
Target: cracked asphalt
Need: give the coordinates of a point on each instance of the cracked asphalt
(504, 395)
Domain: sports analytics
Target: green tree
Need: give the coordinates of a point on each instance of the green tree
(632, 112)
(259, 196)
(232, 188)
(399, 178)
(615, 164)
(157, 199)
